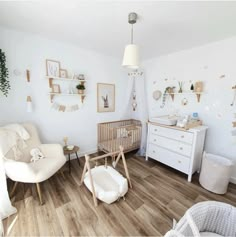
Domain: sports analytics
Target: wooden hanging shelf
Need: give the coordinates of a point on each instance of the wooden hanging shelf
(52, 94)
(198, 94)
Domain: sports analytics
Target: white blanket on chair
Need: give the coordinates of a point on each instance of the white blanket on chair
(9, 136)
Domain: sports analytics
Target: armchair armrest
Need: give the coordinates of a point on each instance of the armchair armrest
(52, 150)
(17, 170)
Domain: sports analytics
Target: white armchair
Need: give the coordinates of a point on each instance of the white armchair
(28, 172)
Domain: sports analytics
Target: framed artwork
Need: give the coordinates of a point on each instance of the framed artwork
(105, 97)
(56, 88)
(53, 68)
(63, 73)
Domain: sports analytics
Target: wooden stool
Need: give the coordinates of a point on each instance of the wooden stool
(69, 152)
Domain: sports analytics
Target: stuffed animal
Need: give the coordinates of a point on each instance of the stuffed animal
(36, 155)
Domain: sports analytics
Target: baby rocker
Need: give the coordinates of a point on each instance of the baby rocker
(105, 183)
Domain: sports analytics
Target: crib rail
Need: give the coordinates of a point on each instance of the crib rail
(126, 133)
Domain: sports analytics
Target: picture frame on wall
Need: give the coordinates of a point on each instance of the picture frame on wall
(56, 88)
(53, 68)
(63, 73)
(105, 97)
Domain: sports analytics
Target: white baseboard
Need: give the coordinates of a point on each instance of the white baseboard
(233, 180)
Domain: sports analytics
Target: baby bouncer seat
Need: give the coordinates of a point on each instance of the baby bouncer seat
(207, 218)
(104, 182)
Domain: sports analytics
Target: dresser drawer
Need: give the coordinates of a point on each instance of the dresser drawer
(173, 145)
(169, 158)
(183, 136)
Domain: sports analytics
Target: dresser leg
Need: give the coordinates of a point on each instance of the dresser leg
(189, 178)
(146, 158)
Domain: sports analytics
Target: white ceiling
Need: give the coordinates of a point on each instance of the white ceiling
(163, 26)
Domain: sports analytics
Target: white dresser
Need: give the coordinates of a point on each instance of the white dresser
(179, 149)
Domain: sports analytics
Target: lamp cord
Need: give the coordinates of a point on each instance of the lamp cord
(131, 33)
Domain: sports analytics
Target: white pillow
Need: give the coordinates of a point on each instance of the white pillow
(109, 184)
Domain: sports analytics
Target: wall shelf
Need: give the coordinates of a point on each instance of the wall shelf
(64, 79)
(66, 94)
(198, 94)
(52, 94)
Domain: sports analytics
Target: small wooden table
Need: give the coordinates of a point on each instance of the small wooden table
(69, 152)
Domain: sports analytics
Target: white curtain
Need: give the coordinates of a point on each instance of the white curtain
(6, 209)
(136, 81)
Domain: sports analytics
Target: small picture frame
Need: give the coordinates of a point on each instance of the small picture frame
(105, 97)
(56, 88)
(63, 73)
(53, 68)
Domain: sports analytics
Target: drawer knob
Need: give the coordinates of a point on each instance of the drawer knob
(182, 136)
(154, 151)
(155, 130)
(181, 148)
(155, 140)
(179, 161)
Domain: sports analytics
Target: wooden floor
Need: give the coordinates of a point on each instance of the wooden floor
(159, 194)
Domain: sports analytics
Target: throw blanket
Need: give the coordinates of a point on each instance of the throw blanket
(9, 137)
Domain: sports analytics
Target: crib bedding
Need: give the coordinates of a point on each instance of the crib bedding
(114, 144)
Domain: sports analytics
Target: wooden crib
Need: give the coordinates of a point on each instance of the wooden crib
(125, 133)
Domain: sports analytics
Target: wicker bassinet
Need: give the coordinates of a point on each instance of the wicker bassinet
(208, 218)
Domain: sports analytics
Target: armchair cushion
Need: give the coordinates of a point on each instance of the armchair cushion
(39, 171)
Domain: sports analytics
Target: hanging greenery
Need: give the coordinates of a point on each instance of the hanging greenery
(4, 83)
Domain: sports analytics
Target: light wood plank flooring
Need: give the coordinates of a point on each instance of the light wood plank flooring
(159, 194)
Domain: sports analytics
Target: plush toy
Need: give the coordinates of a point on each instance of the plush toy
(36, 155)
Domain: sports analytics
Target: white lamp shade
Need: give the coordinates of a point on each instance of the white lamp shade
(131, 56)
(29, 107)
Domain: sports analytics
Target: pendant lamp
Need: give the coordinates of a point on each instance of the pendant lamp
(131, 54)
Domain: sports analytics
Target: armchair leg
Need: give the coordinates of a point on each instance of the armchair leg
(39, 193)
(13, 189)
(62, 174)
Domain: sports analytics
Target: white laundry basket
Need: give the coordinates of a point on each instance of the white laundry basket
(215, 173)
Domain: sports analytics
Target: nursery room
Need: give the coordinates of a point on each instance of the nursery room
(117, 118)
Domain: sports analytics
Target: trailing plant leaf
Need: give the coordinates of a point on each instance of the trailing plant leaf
(4, 82)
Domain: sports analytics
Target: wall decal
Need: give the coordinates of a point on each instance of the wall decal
(156, 95)
(184, 101)
(234, 88)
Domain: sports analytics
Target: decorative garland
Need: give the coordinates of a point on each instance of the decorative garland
(4, 83)
(65, 108)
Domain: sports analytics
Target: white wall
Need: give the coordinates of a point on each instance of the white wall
(26, 51)
(207, 64)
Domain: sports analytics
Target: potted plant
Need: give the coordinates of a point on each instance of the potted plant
(80, 88)
(4, 82)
